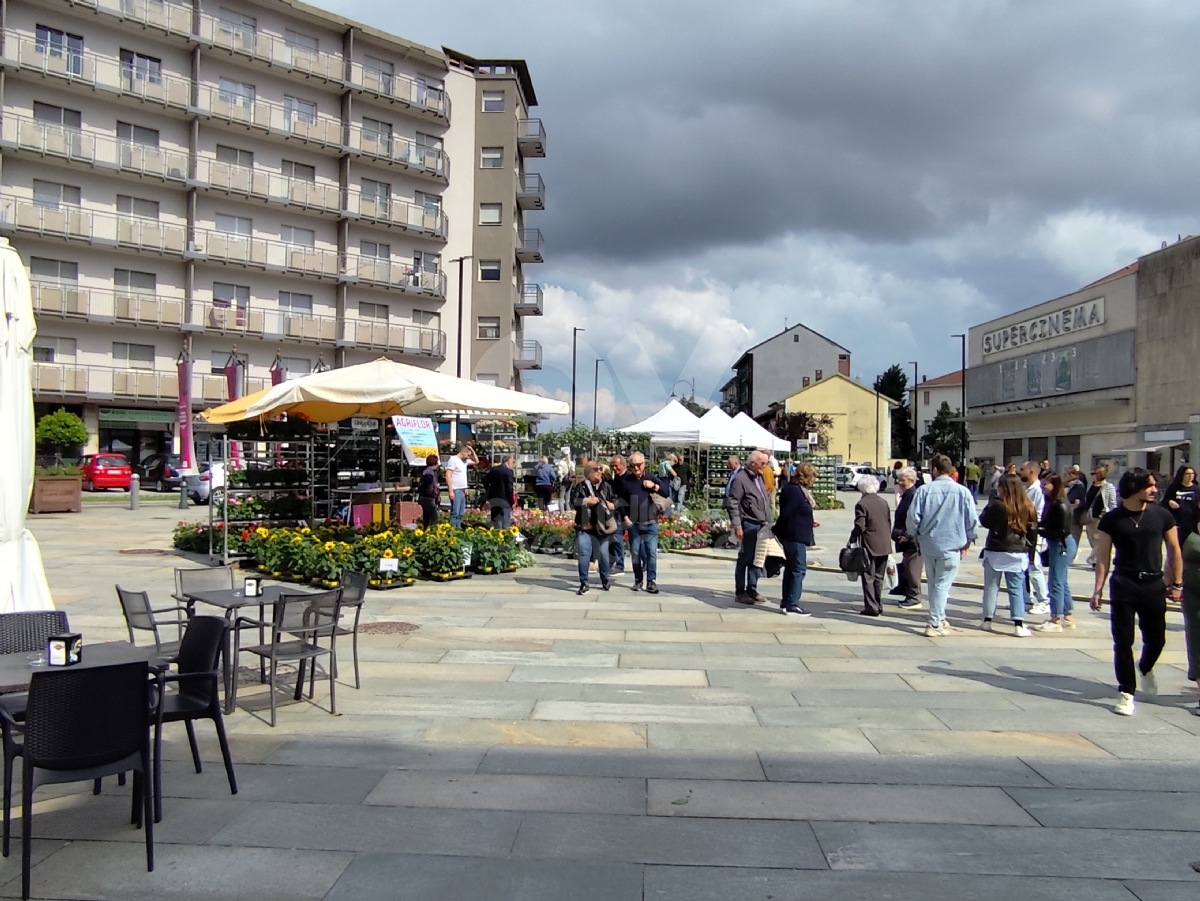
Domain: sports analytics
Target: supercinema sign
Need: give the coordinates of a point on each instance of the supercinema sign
(1060, 322)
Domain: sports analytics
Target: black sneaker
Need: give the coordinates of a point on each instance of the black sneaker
(796, 611)
(907, 604)
(636, 586)
(583, 588)
(652, 587)
(605, 585)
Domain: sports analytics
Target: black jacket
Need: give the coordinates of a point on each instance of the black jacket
(899, 535)
(994, 518)
(795, 522)
(633, 498)
(499, 484)
(1056, 520)
(585, 514)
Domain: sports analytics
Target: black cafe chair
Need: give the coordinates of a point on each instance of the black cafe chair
(197, 698)
(83, 724)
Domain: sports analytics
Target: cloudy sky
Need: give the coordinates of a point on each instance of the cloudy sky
(886, 173)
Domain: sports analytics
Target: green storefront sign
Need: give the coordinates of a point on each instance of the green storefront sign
(118, 417)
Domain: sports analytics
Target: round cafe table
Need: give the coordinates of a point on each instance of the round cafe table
(16, 670)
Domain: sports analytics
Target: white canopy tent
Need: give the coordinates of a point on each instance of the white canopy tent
(673, 424)
(754, 435)
(717, 428)
(22, 577)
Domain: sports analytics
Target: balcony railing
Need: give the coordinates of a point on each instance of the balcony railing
(170, 18)
(102, 73)
(71, 301)
(271, 324)
(416, 95)
(397, 214)
(530, 301)
(386, 273)
(263, 253)
(409, 339)
(262, 184)
(530, 248)
(396, 151)
(321, 129)
(531, 137)
(528, 356)
(271, 49)
(101, 151)
(77, 223)
(104, 382)
(531, 192)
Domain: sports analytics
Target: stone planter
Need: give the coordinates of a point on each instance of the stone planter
(56, 494)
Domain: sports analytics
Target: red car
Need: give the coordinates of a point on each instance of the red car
(105, 471)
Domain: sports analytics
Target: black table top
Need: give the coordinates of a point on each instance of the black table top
(235, 598)
(16, 670)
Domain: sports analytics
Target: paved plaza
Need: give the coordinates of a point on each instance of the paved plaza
(526, 743)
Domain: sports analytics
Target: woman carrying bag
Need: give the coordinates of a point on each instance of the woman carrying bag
(1012, 535)
(873, 529)
(595, 523)
(794, 532)
(1055, 527)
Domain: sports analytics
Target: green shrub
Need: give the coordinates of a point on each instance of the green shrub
(61, 430)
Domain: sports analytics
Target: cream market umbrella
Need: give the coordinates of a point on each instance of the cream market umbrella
(383, 388)
(22, 578)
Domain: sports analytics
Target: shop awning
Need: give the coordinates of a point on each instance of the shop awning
(1146, 448)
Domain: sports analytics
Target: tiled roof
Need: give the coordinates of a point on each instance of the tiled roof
(1128, 270)
(950, 378)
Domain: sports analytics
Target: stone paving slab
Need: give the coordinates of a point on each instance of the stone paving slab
(780, 767)
(564, 794)
(1167, 811)
(644, 713)
(1118, 775)
(628, 763)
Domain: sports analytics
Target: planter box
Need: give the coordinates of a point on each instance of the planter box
(56, 494)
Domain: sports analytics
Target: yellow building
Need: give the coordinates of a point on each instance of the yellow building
(862, 420)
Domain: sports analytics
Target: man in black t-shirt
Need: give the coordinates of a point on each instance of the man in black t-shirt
(1137, 528)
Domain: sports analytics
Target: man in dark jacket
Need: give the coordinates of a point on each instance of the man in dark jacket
(748, 509)
(873, 529)
(634, 490)
(910, 564)
(499, 486)
(428, 492)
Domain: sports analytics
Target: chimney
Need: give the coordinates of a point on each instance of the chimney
(844, 364)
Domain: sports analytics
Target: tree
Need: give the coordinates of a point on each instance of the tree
(61, 431)
(692, 407)
(795, 427)
(945, 435)
(893, 383)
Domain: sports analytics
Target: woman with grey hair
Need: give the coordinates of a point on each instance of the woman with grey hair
(873, 528)
(909, 573)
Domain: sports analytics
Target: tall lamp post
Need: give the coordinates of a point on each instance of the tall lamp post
(459, 352)
(595, 390)
(962, 410)
(916, 428)
(691, 383)
(574, 347)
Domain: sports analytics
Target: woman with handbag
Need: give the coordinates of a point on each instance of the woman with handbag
(595, 523)
(1055, 527)
(1012, 535)
(794, 531)
(873, 530)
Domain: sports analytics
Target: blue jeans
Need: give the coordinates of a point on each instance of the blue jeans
(643, 548)
(618, 546)
(940, 569)
(1061, 554)
(1015, 582)
(745, 574)
(584, 542)
(794, 570)
(458, 506)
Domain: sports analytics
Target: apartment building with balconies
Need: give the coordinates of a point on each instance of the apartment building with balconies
(259, 183)
(498, 141)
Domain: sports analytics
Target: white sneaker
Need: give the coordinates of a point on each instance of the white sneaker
(1149, 683)
(986, 626)
(1124, 706)
(932, 632)
(1042, 609)
(1023, 632)
(1195, 710)
(1049, 627)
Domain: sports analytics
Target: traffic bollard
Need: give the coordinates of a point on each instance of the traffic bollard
(135, 485)
(183, 495)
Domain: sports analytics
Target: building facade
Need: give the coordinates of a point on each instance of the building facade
(779, 367)
(926, 398)
(861, 429)
(261, 189)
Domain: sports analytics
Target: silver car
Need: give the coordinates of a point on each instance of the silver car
(208, 482)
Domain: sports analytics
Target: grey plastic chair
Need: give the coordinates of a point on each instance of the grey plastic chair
(210, 578)
(141, 616)
(354, 593)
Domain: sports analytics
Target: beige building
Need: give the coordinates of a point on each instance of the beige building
(262, 185)
(926, 398)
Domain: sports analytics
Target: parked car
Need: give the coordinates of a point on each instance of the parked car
(105, 471)
(161, 472)
(208, 482)
(847, 476)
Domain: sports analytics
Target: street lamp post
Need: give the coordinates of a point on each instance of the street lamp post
(962, 410)
(691, 384)
(459, 351)
(574, 347)
(595, 391)
(916, 429)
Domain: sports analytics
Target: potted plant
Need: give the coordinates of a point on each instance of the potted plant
(58, 488)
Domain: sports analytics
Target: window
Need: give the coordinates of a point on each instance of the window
(384, 72)
(237, 29)
(491, 158)
(298, 41)
(377, 136)
(137, 134)
(429, 142)
(426, 262)
(304, 237)
(137, 67)
(430, 203)
(376, 311)
(232, 297)
(427, 319)
(234, 225)
(57, 271)
(299, 171)
(491, 213)
(133, 356)
(493, 101)
(222, 358)
(131, 280)
(296, 304)
(489, 270)
(376, 192)
(430, 93)
(235, 93)
(60, 45)
(296, 367)
(375, 250)
(49, 114)
(295, 109)
(50, 195)
(235, 156)
(488, 378)
(136, 206)
(488, 328)
(53, 350)
(925, 401)
(795, 339)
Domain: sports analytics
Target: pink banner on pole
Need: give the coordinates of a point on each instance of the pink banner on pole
(278, 375)
(183, 413)
(233, 383)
